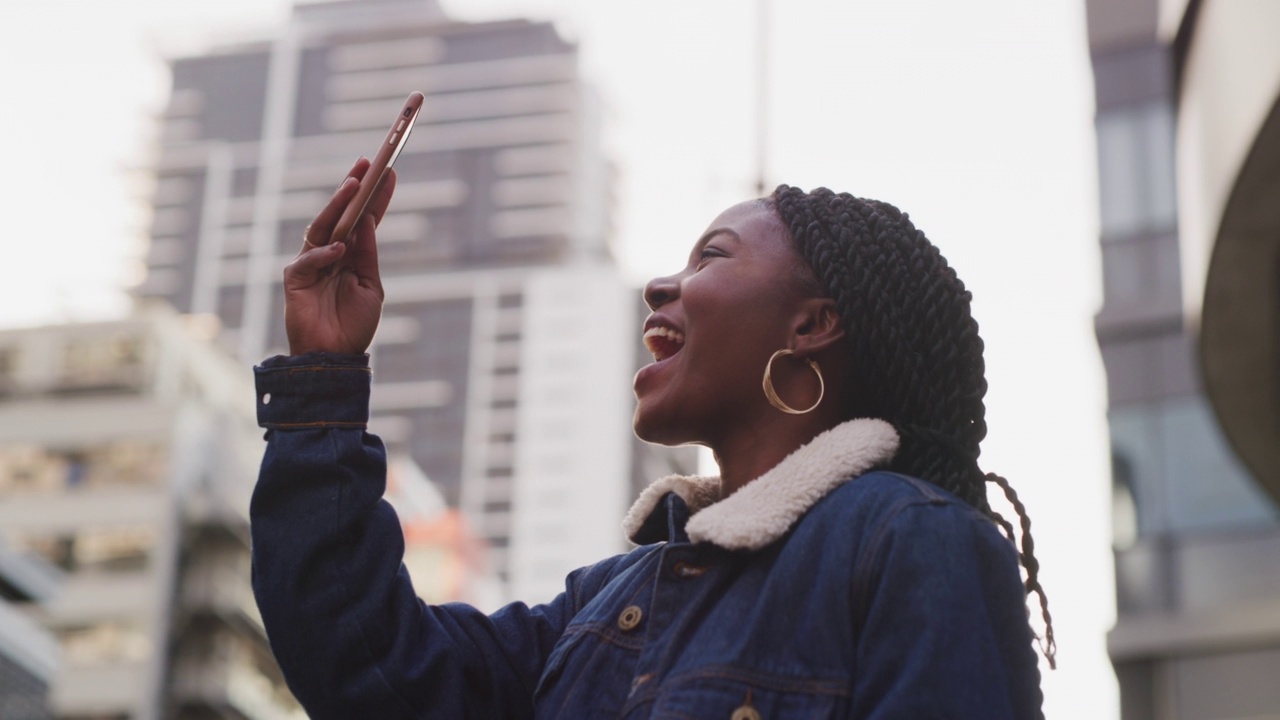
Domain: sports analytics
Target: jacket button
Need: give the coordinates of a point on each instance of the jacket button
(746, 712)
(630, 618)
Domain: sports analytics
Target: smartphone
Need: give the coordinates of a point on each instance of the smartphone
(382, 162)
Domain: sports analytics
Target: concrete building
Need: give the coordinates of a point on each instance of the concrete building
(503, 361)
(1188, 131)
(127, 454)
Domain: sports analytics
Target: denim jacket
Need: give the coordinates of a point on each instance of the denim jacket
(819, 590)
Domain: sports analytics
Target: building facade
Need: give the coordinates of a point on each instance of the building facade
(127, 454)
(503, 360)
(1192, 407)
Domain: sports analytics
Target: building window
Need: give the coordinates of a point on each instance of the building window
(32, 469)
(1135, 169)
(1181, 475)
(104, 643)
(1124, 509)
(123, 549)
(102, 363)
(119, 549)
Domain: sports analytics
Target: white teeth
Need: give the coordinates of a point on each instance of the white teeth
(651, 335)
(666, 332)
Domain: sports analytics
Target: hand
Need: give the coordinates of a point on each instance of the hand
(333, 292)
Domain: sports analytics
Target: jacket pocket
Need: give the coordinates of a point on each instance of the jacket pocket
(734, 694)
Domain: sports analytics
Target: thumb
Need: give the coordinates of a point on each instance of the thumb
(313, 264)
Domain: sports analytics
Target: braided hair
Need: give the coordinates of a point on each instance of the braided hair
(916, 353)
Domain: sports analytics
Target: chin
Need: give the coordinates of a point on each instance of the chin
(642, 426)
(661, 425)
(654, 426)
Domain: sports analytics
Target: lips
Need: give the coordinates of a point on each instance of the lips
(662, 340)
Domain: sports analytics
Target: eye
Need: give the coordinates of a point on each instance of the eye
(708, 253)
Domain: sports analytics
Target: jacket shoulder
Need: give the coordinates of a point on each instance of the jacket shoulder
(881, 490)
(883, 503)
(583, 584)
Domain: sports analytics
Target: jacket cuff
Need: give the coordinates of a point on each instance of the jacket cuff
(314, 390)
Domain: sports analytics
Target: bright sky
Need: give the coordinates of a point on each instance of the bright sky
(975, 117)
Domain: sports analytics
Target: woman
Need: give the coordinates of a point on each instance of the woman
(844, 564)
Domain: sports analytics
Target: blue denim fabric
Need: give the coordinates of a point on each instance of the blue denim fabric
(889, 599)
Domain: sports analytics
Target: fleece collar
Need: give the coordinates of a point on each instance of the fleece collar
(765, 509)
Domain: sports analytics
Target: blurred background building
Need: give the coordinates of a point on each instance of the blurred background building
(1188, 131)
(126, 461)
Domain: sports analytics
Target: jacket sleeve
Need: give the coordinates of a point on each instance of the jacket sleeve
(344, 623)
(942, 621)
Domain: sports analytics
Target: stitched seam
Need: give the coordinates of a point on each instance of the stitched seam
(777, 683)
(319, 368)
(317, 424)
(608, 632)
(612, 638)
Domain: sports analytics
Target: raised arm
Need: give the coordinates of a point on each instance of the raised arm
(344, 622)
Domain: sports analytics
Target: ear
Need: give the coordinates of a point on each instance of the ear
(816, 327)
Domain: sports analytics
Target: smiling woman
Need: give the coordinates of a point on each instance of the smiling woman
(844, 564)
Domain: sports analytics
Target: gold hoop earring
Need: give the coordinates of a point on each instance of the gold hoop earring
(772, 394)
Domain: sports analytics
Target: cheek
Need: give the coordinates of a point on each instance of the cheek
(736, 325)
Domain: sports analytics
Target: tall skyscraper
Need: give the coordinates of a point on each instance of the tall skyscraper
(502, 365)
(1188, 134)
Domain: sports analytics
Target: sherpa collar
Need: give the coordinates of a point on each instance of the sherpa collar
(765, 508)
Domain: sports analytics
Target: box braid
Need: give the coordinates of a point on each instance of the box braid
(917, 356)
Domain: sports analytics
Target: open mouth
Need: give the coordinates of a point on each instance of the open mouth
(663, 341)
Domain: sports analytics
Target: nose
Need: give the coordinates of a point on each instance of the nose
(660, 291)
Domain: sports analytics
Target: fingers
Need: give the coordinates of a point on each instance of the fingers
(318, 232)
(382, 198)
(311, 265)
(364, 256)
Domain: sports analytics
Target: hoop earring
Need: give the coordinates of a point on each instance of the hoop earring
(772, 394)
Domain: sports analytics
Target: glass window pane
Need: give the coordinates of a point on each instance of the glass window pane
(1118, 173)
(1158, 176)
(1208, 487)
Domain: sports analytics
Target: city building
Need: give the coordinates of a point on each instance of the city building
(1188, 129)
(502, 364)
(128, 451)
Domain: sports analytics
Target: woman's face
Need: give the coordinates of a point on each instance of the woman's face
(714, 326)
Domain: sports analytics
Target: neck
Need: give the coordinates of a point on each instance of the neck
(753, 451)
